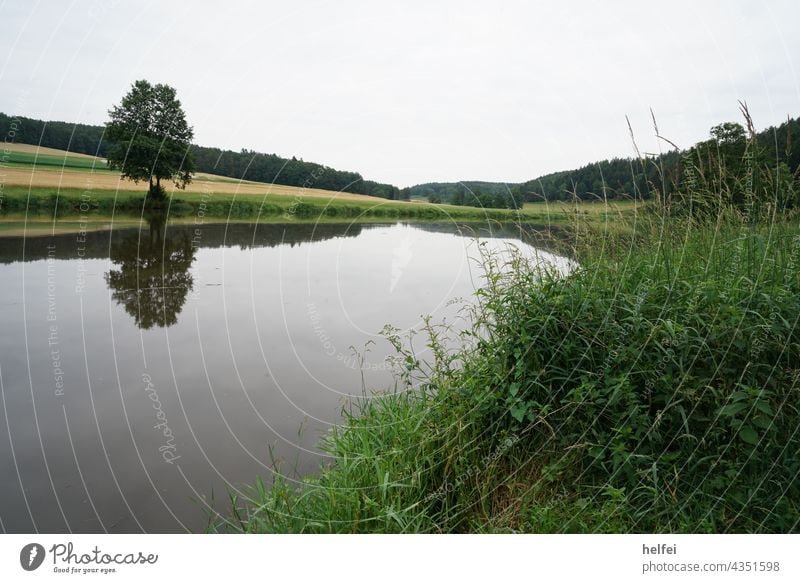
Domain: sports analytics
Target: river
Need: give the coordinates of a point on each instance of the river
(145, 373)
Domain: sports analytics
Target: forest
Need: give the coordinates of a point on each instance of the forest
(245, 165)
(633, 177)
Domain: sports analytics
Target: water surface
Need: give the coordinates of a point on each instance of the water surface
(142, 370)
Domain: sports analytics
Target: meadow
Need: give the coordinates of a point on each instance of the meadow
(49, 189)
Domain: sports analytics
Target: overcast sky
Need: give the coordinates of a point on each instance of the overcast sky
(411, 92)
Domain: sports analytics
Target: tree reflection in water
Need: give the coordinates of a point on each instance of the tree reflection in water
(152, 278)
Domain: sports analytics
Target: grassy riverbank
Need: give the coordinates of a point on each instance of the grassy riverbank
(44, 205)
(654, 389)
(66, 202)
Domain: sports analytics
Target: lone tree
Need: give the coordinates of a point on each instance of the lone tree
(151, 138)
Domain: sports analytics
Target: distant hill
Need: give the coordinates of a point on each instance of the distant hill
(446, 190)
(469, 193)
(614, 178)
(244, 165)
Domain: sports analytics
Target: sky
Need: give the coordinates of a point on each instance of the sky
(414, 92)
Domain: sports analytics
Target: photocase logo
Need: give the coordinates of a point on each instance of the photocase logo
(31, 556)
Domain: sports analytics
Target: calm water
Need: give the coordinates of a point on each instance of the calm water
(145, 369)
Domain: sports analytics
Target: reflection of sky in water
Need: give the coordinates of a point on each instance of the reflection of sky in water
(256, 352)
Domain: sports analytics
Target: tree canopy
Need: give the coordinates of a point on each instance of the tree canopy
(151, 137)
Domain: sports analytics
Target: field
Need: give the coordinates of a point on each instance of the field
(44, 190)
(11, 148)
(43, 161)
(613, 208)
(23, 166)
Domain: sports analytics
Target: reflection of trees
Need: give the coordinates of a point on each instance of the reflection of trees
(211, 235)
(152, 278)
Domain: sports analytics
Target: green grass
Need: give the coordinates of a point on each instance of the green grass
(65, 202)
(15, 158)
(622, 205)
(655, 389)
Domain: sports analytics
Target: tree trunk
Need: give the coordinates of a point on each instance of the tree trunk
(156, 192)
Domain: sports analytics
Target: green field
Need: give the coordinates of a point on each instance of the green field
(19, 158)
(594, 209)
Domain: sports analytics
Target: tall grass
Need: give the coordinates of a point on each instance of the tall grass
(653, 389)
(667, 375)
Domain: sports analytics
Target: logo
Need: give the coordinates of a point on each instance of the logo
(31, 556)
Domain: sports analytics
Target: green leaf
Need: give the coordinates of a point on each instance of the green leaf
(518, 412)
(732, 409)
(762, 422)
(764, 407)
(748, 435)
(739, 395)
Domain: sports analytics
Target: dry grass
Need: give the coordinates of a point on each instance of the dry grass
(102, 179)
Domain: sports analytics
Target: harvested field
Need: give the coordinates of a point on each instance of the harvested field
(102, 179)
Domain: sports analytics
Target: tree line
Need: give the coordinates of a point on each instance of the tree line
(245, 164)
(775, 148)
(470, 193)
